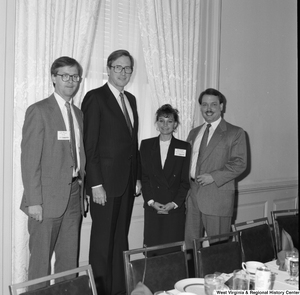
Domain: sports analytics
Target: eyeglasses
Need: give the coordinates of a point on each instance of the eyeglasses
(119, 69)
(67, 77)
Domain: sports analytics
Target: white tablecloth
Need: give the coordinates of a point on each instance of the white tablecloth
(278, 284)
(280, 277)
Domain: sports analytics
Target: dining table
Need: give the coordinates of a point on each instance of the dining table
(278, 280)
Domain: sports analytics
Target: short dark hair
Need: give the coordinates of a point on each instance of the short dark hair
(64, 61)
(118, 53)
(166, 111)
(214, 92)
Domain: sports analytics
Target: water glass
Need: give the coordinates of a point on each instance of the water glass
(293, 270)
(288, 256)
(241, 280)
(213, 282)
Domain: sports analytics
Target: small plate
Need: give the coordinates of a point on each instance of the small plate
(193, 285)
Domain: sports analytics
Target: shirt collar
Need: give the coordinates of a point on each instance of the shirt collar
(114, 90)
(61, 102)
(214, 124)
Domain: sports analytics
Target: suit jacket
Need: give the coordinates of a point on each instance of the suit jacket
(168, 184)
(225, 158)
(110, 149)
(46, 162)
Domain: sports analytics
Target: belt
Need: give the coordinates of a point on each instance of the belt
(192, 179)
(74, 178)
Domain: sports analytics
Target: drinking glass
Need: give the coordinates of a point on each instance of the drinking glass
(213, 282)
(293, 270)
(241, 280)
(288, 256)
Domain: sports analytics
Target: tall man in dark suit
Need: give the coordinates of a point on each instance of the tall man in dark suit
(53, 163)
(213, 171)
(113, 176)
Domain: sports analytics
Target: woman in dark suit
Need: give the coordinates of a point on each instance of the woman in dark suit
(165, 180)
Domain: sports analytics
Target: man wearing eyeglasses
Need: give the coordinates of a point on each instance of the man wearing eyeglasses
(53, 163)
(113, 175)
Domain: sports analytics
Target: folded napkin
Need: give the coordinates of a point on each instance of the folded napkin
(141, 289)
(286, 241)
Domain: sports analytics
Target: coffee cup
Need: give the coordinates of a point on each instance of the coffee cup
(251, 266)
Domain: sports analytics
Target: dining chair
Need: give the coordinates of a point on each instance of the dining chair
(287, 220)
(256, 240)
(83, 284)
(159, 272)
(224, 256)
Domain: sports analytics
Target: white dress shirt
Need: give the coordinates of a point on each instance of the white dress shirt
(164, 147)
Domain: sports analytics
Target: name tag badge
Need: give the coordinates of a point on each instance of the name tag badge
(180, 152)
(63, 135)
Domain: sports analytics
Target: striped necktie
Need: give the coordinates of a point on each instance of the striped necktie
(72, 135)
(127, 118)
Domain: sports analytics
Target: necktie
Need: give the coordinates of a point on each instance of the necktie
(128, 122)
(204, 141)
(72, 135)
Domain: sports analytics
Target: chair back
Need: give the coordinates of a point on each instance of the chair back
(256, 240)
(156, 272)
(83, 284)
(224, 257)
(287, 220)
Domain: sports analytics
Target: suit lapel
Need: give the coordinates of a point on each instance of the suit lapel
(133, 108)
(134, 112)
(193, 135)
(216, 138)
(80, 124)
(155, 155)
(115, 107)
(156, 161)
(170, 158)
(55, 112)
(78, 119)
(170, 162)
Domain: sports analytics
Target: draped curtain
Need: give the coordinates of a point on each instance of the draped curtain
(118, 28)
(45, 30)
(162, 36)
(170, 32)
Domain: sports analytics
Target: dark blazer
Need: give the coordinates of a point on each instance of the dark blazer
(225, 158)
(109, 157)
(47, 165)
(171, 183)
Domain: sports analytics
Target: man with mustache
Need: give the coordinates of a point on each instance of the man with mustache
(219, 156)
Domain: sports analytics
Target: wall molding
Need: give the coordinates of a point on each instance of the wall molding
(259, 199)
(271, 186)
